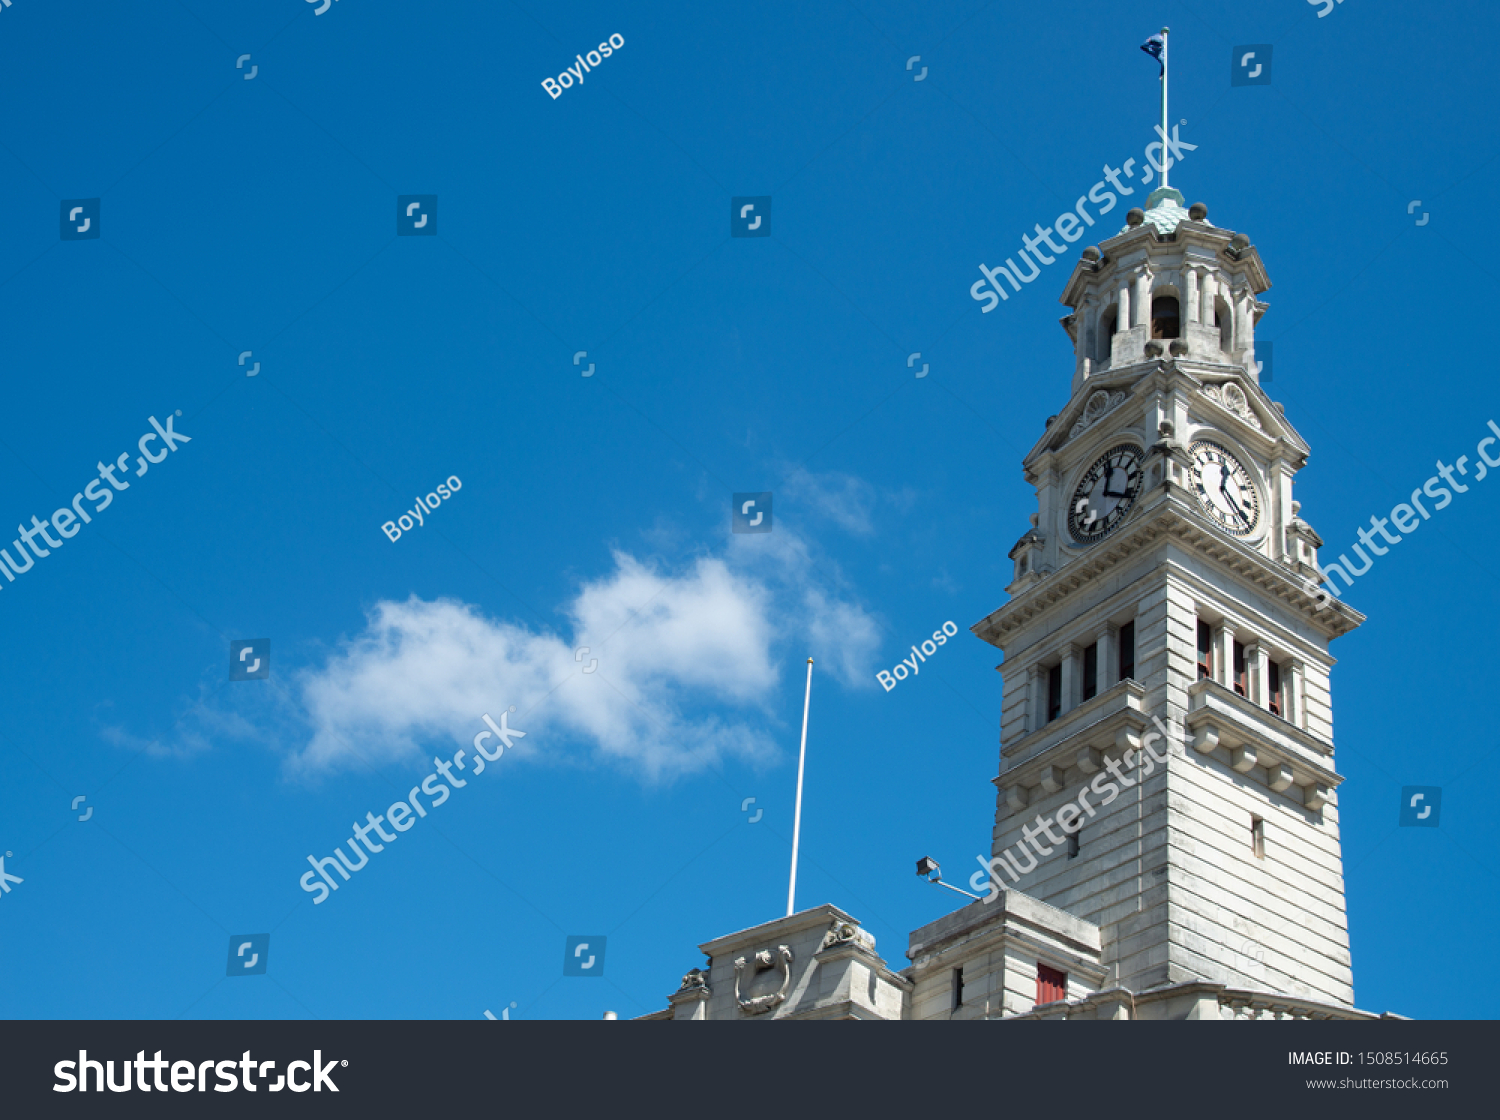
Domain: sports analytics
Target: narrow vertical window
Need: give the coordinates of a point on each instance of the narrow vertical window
(1051, 984)
(1054, 692)
(1106, 335)
(1258, 837)
(1240, 680)
(1205, 651)
(1127, 651)
(958, 988)
(1273, 685)
(1074, 842)
(1091, 672)
(1165, 317)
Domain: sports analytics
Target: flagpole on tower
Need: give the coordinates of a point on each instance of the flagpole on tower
(1165, 159)
(791, 890)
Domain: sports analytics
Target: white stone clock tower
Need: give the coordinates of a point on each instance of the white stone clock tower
(1161, 585)
(1163, 578)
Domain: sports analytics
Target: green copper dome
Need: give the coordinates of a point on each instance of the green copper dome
(1164, 210)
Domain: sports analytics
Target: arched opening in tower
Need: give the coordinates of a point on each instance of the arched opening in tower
(1165, 318)
(1106, 335)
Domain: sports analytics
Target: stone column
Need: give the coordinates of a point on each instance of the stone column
(1109, 663)
(1223, 639)
(1122, 320)
(1037, 702)
(1256, 676)
(1071, 666)
(1291, 694)
(1210, 292)
(1190, 284)
(1143, 298)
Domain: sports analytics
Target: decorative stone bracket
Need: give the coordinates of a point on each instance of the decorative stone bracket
(1262, 761)
(842, 933)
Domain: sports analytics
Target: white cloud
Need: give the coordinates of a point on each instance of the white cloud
(836, 631)
(687, 673)
(846, 635)
(690, 660)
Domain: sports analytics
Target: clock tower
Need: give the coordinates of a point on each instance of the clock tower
(1166, 835)
(1160, 588)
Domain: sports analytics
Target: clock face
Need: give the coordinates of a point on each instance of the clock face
(1224, 488)
(1105, 493)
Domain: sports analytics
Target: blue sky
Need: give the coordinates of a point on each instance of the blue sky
(260, 214)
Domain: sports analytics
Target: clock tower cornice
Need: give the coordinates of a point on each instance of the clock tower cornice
(1170, 514)
(1143, 246)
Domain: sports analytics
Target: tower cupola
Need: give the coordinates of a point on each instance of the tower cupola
(1170, 283)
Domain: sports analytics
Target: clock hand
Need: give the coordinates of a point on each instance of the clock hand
(1234, 506)
(1230, 502)
(1109, 474)
(1224, 486)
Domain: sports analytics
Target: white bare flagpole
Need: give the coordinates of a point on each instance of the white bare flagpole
(791, 891)
(1165, 158)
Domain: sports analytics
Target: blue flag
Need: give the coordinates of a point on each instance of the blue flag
(1154, 47)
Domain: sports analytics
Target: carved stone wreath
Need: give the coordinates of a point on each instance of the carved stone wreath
(1230, 396)
(1100, 403)
(764, 960)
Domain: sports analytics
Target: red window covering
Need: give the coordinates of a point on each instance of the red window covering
(1051, 985)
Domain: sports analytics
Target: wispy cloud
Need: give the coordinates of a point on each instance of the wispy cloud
(846, 500)
(689, 657)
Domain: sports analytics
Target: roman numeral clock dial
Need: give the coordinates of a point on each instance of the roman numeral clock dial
(1105, 494)
(1224, 488)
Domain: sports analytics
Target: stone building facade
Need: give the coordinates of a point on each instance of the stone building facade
(1166, 834)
